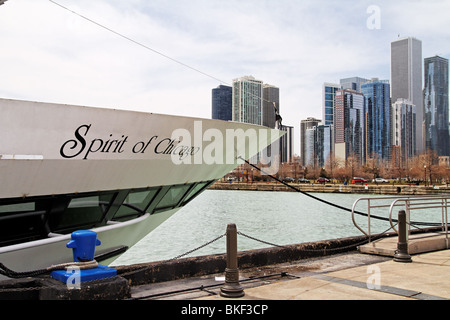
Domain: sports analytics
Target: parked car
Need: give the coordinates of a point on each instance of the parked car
(322, 180)
(288, 179)
(380, 180)
(358, 180)
(303, 180)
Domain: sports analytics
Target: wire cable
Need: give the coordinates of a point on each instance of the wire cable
(277, 115)
(330, 203)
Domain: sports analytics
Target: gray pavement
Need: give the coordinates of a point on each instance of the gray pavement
(427, 277)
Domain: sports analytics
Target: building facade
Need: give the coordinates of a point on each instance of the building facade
(271, 95)
(287, 144)
(377, 109)
(406, 79)
(353, 83)
(306, 124)
(349, 126)
(222, 103)
(328, 102)
(435, 96)
(403, 132)
(248, 100)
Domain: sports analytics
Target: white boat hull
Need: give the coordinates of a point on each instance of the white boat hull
(51, 155)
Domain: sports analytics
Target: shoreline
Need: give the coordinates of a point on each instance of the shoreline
(382, 189)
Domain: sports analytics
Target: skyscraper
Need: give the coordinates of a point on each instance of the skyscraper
(309, 123)
(222, 103)
(403, 135)
(406, 78)
(328, 102)
(435, 94)
(286, 144)
(248, 100)
(353, 83)
(377, 107)
(271, 95)
(349, 125)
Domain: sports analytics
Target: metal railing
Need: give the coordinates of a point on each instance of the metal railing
(407, 203)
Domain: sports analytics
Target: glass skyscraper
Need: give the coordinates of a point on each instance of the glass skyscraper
(406, 78)
(403, 128)
(222, 103)
(328, 103)
(305, 143)
(435, 94)
(377, 107)
(349, 125)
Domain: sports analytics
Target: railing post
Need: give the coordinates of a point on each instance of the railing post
(232, 288)
(402, 255)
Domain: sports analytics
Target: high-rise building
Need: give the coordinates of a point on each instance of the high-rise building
(377, 108)
(309, 157)
(349, 126)
(324, 144)
(271, 95)
(287, 144)
(435, 95)
(403, 128)
(248, 100)
(353, 83)
(309, 123)
(406, 78)
(319, 142)
(222, 103)
(328, 101)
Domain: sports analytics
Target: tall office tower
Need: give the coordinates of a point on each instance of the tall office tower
(309, 157)
(403, 132)
(406, 79)
(319, 141)
(247, 100)
(309, 123)
(328, 101)
(435, 96)
(287, 144)
(349, 126)
(222, 103)
(353, 83)
(271, 95)
(377, 108)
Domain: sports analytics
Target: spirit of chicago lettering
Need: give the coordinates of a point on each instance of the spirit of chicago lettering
(81, 146)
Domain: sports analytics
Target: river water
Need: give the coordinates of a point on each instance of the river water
(279, 218)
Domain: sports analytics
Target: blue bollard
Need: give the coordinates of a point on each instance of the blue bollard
(83, 245)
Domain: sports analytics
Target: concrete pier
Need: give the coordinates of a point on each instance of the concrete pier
(381, 189)
(323, 270)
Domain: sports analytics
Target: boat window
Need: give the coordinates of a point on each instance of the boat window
(18, 207)
(173, 196)
(82, 211)
(195, 191)
(20, 222)
(136, 203)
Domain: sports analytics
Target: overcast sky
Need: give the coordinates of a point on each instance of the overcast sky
(50, 54)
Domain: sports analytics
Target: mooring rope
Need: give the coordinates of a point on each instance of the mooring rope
(330, 203)
(13, 274)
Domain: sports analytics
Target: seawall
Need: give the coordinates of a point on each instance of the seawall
(382, 189)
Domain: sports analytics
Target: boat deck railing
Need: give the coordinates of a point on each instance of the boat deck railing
(394, 204)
